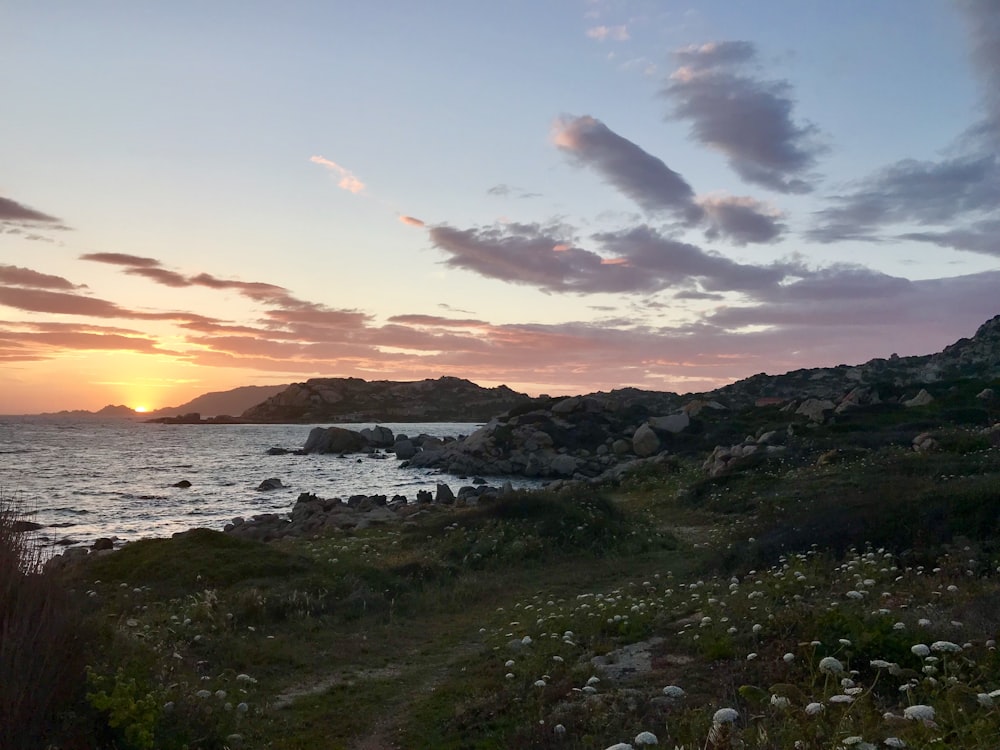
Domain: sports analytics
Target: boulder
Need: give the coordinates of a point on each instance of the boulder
(815, 409)
(183, 484)
(671, 423)
(380, 437)
(986, 394)
(277, 451)
(404, 449)
(645, 442)
(102, 544)
(566, 406)
(334, 440)
(271, 483)
(23, 526)
(564, 465)
(921, 399)
(444, 495)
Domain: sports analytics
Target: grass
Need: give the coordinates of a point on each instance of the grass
(479, 627)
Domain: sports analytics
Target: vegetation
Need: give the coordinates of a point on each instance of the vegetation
(843, 592)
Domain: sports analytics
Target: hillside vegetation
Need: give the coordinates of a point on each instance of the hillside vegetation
(843, 592)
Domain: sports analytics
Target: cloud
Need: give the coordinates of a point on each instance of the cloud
(983, 20)
(742, 220)
(961, 187)
(981, 237)
(61, 303)
(603, 33)
(504, 191)
(412, 221)
(922, 192)
(638, 174)
(122, 259)
(347, 179)
(748, 120)
(13, 211)
(656, 188)
(26, 277)
(637, 260)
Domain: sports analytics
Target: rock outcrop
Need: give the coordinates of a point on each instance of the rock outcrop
(355, 400)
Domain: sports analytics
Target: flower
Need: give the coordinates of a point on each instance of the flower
(725, 716)
(559, 729)
(830, 665)
(780, 701)
(920, 649)
(841, 698)
(919, 712)
(946, 647)
(646, 738)
(814, 708)
(673, 691)
(893, 742)
(789, 657)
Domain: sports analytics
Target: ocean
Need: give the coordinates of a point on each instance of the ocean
(87, 479)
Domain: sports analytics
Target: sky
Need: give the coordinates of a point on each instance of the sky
(563, 196)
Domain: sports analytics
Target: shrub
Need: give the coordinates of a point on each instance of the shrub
(41, 638)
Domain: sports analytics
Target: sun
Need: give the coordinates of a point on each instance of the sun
(141, 409)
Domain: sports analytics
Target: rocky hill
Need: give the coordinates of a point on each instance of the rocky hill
(355, 400)
(599, 436)
(234, 401)
(976, 357)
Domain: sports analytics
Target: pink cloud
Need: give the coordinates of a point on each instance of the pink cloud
(603, 33)
(411, 221)
(347, 179)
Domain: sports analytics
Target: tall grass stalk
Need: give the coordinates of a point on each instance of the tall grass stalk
(41, 662)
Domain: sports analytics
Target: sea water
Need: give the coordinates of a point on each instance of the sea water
(87, 479)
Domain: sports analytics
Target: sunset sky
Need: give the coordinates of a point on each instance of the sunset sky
(564, 196)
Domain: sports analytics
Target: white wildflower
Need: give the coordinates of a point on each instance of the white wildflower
(673, 691)
(919, 712)
(893, 742)
(789, 657)
(725, 716)
(946, 647)
(814, 708)
(920, 649)
(830, 665)
(646, 738)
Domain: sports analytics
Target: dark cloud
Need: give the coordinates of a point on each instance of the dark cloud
(641, 176)
(876, 302)
(637, 260)
(748, 120)
(61, 303)
(741, 220)
(13, 211)
(922, 192)
(983, 17)
(655, 187)
(962, 187)
(18, 276)
(981, 237)
(122, 259)
(671, 263)
(160, 276)
(699, 295)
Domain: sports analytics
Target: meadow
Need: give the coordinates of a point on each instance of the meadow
(841, 593)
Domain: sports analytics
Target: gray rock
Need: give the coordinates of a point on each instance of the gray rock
(404, 449)
(564, 465)
(380, 437)
(671, 423)
(566, 406)
(444, 495)
(271, 483)
(645, 442)
(815, 409)
(921, 399)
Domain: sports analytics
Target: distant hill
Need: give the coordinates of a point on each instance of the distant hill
(446, 399)
(232, 402)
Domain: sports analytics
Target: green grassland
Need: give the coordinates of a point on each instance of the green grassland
(797, 588)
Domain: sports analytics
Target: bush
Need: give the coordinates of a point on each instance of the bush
(41, 637)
